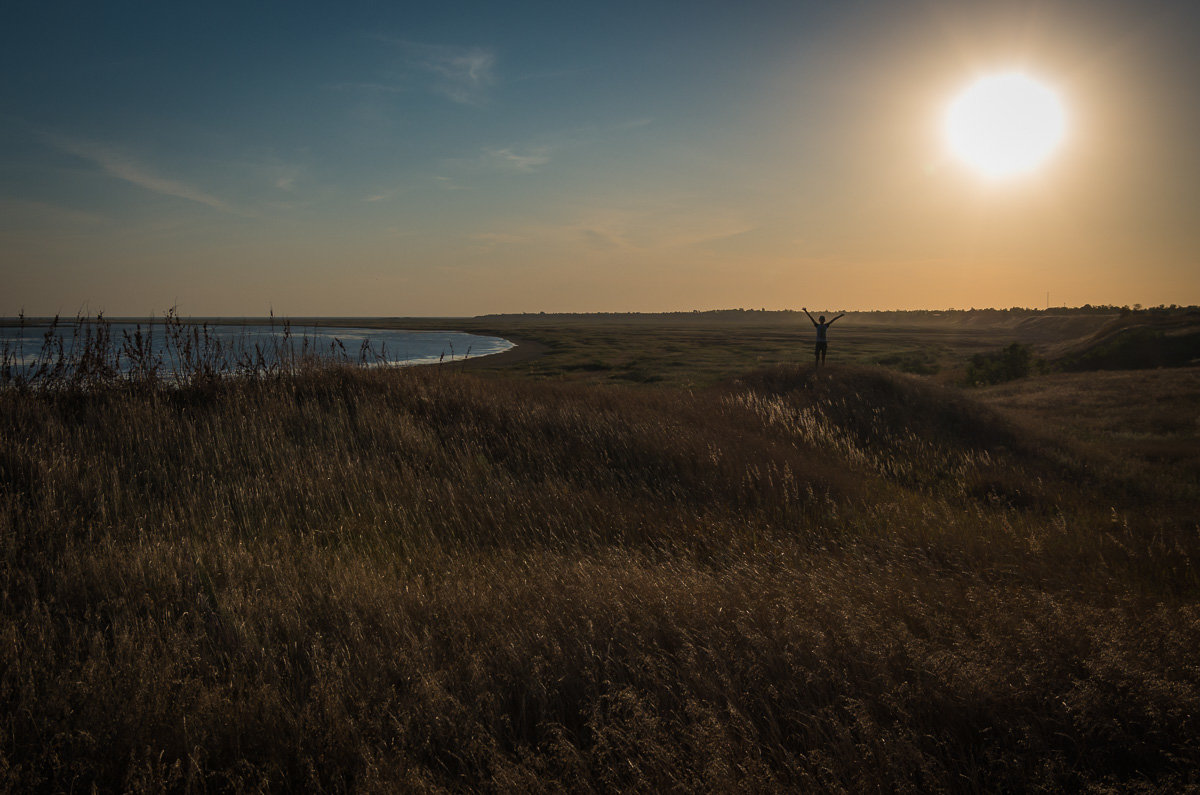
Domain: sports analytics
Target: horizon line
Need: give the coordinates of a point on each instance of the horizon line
(17, 319)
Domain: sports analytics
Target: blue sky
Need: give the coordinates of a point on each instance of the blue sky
(422, 159)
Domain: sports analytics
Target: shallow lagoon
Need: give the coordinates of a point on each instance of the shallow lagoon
(170, 344)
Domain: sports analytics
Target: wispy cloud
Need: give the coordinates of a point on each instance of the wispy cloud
(125, 167)
(530, 157)
(462, 74)
(669, 224)
(508, 159)
(285, 175)
(449, 183)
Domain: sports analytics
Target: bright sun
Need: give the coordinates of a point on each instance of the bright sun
(1005, 125)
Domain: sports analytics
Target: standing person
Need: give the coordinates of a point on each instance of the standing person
(822, 342)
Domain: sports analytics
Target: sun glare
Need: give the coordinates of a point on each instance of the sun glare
(1005, 125)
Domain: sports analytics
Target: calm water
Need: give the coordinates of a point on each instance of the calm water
(360, 345)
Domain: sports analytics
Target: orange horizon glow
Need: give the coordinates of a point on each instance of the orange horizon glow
(839, 158)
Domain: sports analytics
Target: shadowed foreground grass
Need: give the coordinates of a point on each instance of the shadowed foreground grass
(423, 580)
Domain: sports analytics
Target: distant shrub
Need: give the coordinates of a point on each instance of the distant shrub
(1008, 364)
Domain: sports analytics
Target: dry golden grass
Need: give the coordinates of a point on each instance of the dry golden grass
(427, 580)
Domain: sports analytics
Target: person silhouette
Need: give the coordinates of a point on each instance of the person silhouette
(822, 339)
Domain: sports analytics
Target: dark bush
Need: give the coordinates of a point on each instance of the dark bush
(1008, 364)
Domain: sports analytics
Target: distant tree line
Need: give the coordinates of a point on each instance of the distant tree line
(742, 313)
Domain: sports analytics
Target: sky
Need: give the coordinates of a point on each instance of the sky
(450, 159)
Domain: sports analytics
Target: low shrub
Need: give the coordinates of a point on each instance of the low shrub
(1008, 364)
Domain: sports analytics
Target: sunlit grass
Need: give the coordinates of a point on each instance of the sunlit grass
(850, 580)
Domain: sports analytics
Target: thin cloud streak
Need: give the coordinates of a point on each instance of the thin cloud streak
(510, 160)
(449, 183)
(680, 228)
(462, 74)
(532, 157)
(122, 166)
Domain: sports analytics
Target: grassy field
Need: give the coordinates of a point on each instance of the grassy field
(645, 560)
(703, 349)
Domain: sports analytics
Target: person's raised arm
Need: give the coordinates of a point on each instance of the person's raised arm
(810, 317)
(841, 315)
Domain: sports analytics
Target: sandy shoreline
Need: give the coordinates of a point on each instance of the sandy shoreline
(523, 350)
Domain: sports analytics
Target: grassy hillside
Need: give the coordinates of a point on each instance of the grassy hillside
(1141, 341)
(702, 349)
(425, 579)
(1144, 423)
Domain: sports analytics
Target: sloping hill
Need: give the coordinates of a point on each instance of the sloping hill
(1051, 329)
(913, 433)
(849, 580)
(1137, 341)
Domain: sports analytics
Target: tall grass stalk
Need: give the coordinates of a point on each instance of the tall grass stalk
(85, 354)
(419, 580)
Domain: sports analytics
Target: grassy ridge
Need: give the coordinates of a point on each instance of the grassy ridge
(432, 579)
